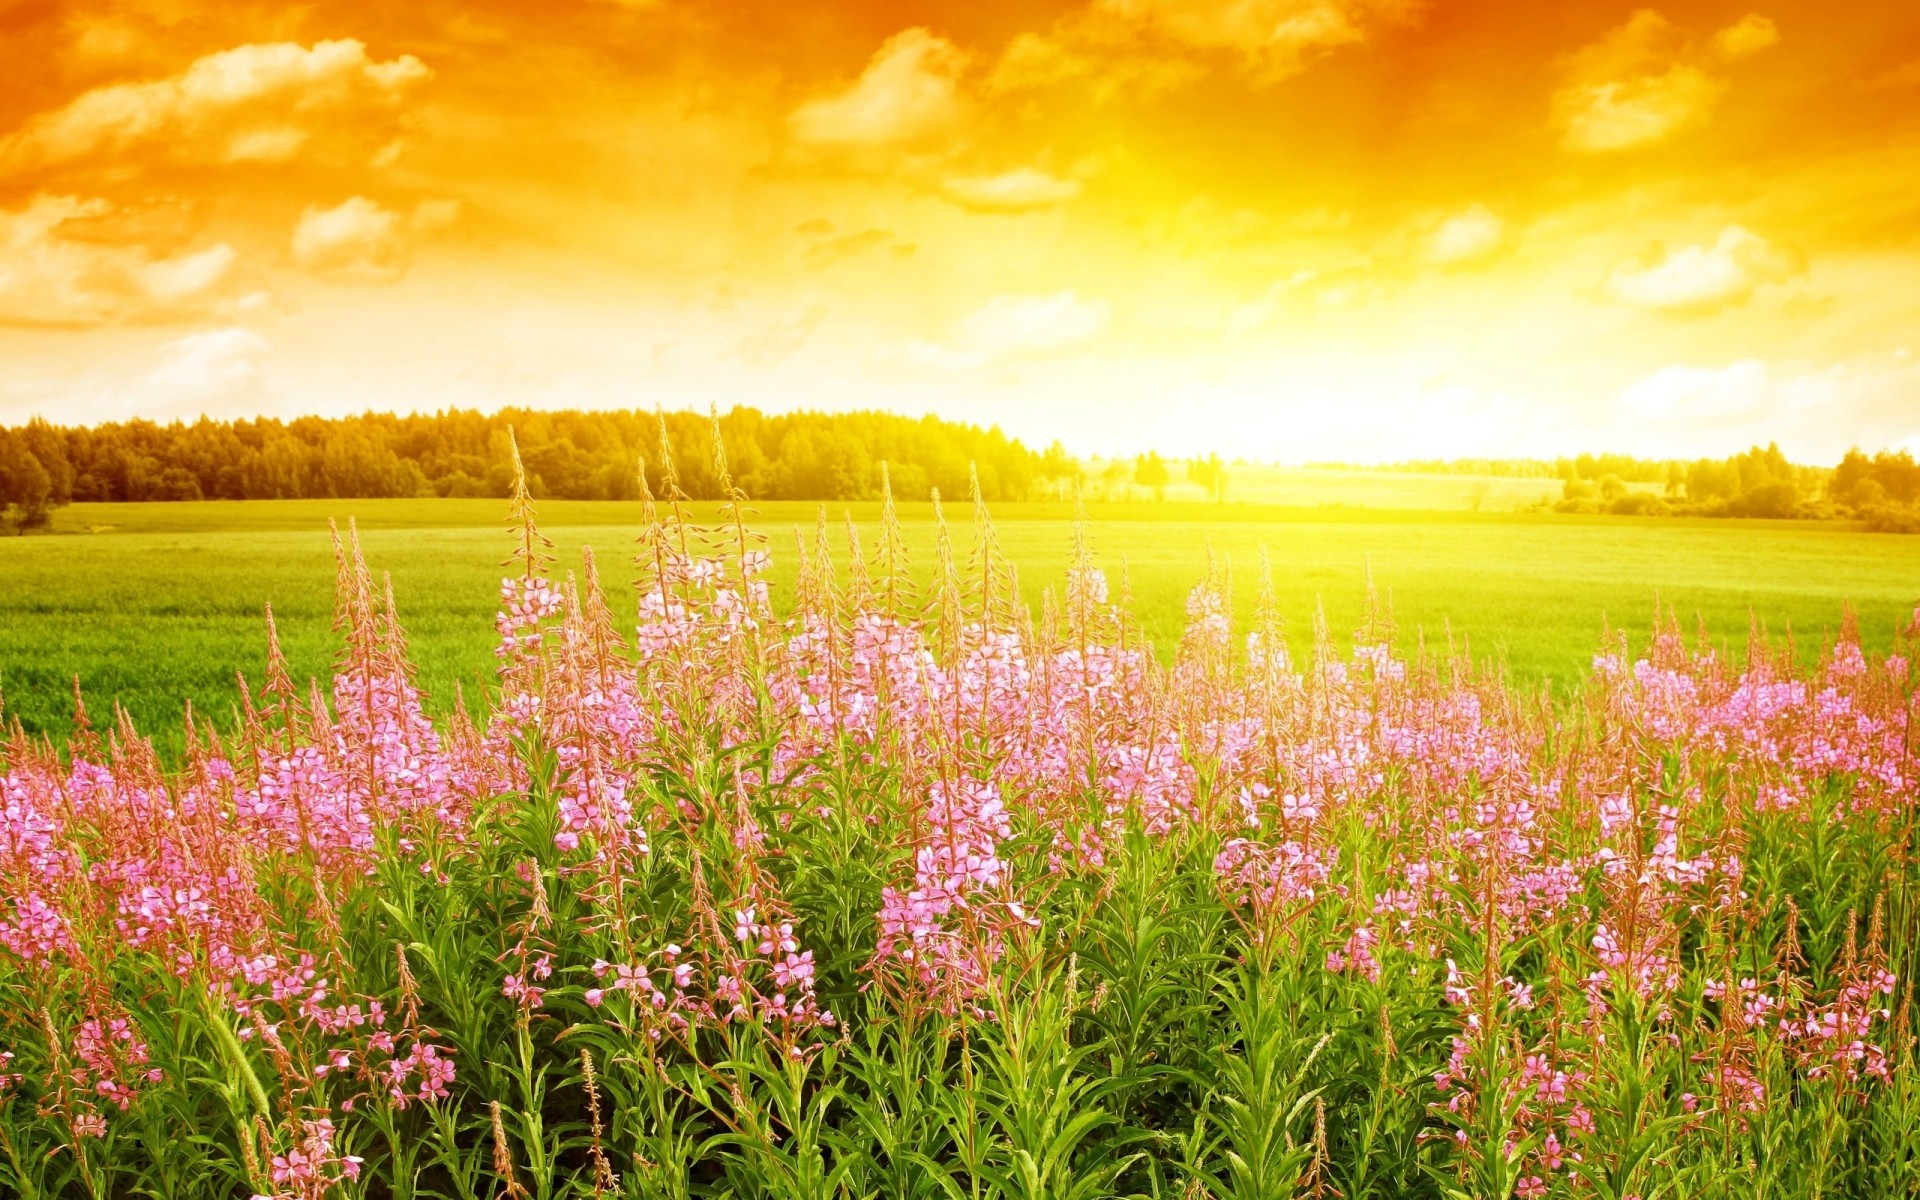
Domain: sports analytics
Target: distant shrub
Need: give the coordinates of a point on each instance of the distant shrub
(1638, 504)
(1888, 518)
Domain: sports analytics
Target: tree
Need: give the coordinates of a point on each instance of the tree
(1211, 474)
(1150, 471)
(26, 486)
(1060, 469)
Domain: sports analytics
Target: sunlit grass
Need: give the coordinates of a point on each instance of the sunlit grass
(162, 603)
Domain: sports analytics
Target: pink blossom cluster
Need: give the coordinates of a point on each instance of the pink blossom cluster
(985, 758)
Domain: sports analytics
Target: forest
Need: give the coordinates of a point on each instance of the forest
(808, 455)
(569, 455)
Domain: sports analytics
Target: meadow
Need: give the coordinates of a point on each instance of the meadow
(153, 605)
(895, 891)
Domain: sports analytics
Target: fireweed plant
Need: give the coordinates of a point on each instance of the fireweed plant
(914, 894)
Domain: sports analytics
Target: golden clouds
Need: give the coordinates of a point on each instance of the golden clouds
(908, 96)
(1019, 190)
(1270, 35)
(62, 265)
(1641, 84)
(1058, 213)
(1012, 327)
(1157, 44)
(1466, 238)
(219, 371)
(253, 103)
(1749, 35)
(359, 241)
(1010, 324)
(1698, 280)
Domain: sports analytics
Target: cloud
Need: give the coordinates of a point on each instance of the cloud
(356, 241)
(61, 266)
(1021, 190)
(1703, 279)
(777, 343)
(1261, 30)
(1354, 286)
(254, 103)
(1641, 84)
(1012, 326)
(435, 215)
(1467, 238)
(1903, 76)
(1164, 43)
(186, 275)
(908, 96)
(1748, 36)
(1698, 393)
(219, 370)
(824, 251)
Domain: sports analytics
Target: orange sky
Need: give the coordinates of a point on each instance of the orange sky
(1290, 229)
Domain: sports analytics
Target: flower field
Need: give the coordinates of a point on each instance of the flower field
(920, 894)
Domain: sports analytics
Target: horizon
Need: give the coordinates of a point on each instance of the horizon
(1309, 230)
(1404, 464)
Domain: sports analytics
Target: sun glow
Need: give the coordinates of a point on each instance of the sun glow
(1286, 228)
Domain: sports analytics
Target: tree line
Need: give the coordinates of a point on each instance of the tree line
(1760, 482)
(568, 455)
(1881, 489)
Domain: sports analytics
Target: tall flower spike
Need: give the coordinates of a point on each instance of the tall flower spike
(733, 505)
(823, 556)
(807, 599)
(676, 532)
(533, 550)
(858, 596)
(281, 699)
(604, 1180)
(947, 614)
(650, 560)
(503, 1155)
(84, 741)
(393, 636)
(603, 633)
(989, 566)
(896, 573)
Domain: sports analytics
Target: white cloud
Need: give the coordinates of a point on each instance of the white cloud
(356, 241)
(1703, 279)
(219, 370)
(186, 275)
(1020, 190)
(58, 268)
(260, 103)
(777, 343)
(908, 95)
(1010, 324)
(1466, 238)
(1699, 393)
(1748, 36)
(1642, 84)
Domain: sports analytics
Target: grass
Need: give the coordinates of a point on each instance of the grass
(154, 604)
(871, 908)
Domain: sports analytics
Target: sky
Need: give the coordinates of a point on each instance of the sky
(1286, 230)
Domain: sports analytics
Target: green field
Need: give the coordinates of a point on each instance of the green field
(150, 604)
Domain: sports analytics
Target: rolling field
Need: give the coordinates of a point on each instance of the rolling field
(148, 604)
